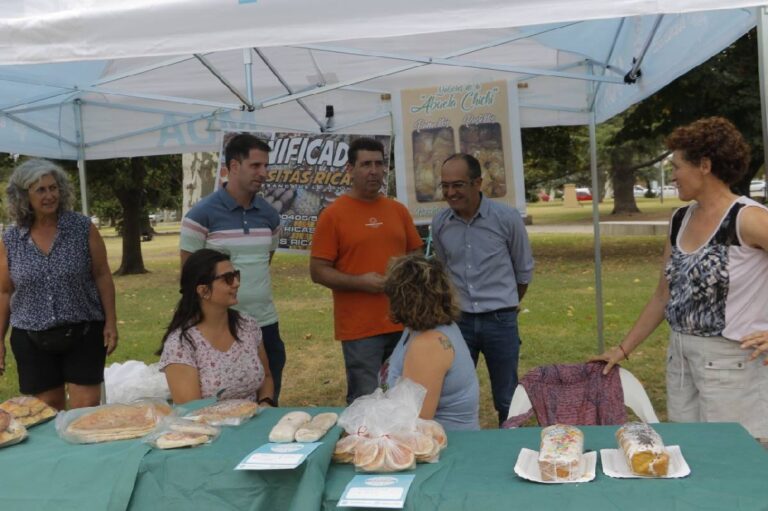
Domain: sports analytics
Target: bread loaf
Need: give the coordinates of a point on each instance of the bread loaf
(317, 427)
(643, 449)
(560, 453)
(13, 433)
(286, 427)
(229, 412)
(28, 410)
(176, 439)
(5, 420)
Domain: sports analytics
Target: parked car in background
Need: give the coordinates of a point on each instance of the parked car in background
(639, 191)
(583, 194)
(757, 187)
(670, 191)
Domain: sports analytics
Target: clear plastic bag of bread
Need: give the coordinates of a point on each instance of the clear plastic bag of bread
(176, 432)
(426, 441)
(28, 410)
(227, 412)
(383, 454)
(384, 413)
(379, 427)
(117, 421)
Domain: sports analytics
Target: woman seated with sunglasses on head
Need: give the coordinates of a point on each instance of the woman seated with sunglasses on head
(210, 349)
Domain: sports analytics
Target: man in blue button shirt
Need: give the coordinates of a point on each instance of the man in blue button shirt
(484, 246)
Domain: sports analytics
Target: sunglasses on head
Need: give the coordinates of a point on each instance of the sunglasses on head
(229, 277)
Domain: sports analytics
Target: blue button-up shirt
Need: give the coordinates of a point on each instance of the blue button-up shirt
(486, 257)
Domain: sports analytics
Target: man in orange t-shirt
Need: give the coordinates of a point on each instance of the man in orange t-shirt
(354, 240)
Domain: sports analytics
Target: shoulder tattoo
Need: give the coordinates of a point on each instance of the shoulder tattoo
(445, 342)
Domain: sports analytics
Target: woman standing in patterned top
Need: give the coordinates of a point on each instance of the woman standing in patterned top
(210, 349)
(56, 291)
(713, 290)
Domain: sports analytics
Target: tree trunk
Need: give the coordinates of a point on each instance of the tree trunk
(623, 177)
(132, 262)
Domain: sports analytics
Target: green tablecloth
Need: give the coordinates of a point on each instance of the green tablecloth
(729, 470)
(203, 478)
(46, 473)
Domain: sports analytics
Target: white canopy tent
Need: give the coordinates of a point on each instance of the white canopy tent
(112, 78)
(89, 79)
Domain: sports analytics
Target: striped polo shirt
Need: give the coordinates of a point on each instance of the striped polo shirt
(247, 235)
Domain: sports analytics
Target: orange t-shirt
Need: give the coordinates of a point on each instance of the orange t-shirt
(360, 237)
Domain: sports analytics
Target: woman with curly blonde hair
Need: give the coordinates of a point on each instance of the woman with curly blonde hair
(713, 288)
(431, 351)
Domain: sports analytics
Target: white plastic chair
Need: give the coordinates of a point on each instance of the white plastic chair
(635, 398)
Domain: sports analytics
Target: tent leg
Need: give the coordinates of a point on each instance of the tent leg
(762, 46)
(81, 155)
(596, 227)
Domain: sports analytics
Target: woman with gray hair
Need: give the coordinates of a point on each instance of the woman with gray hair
(56, 291)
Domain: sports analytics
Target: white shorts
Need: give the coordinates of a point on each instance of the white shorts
(711, 379)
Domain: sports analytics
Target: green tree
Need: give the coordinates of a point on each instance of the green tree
(553, 156)
(727, 85)
(129, 188)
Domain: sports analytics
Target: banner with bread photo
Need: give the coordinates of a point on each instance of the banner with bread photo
(307, 172)
(439, 121)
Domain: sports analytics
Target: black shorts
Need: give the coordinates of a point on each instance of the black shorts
(41, 370)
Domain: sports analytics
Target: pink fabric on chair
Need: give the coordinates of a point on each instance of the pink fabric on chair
(576, 394)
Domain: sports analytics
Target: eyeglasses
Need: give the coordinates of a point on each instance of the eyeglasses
(456, 185)
(229, 277)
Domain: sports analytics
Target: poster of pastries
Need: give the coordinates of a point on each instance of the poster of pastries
(440, 121)
(307, 172)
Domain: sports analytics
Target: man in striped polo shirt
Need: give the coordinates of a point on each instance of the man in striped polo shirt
(235, 220)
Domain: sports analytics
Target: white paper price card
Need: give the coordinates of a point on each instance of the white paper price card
(277, 456)
(384, 491)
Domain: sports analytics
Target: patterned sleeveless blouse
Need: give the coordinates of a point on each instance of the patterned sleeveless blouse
(719, 288)
(57, 288)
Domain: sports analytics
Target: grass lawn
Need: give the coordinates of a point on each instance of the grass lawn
(557, 325)
(547, 213)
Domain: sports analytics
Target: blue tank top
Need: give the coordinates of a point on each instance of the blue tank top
(459, 405)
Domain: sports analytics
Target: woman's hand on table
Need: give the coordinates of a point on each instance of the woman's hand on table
(758, 343)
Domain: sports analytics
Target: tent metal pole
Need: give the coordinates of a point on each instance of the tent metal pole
(81, 154)
(608, 62)
(633, 73)
(287, 87)
(248, 63)
(226, 83)
(596, 227)
(145, 69)
(762, 46)
(38, 129)
(522, 34)
(442, 62)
